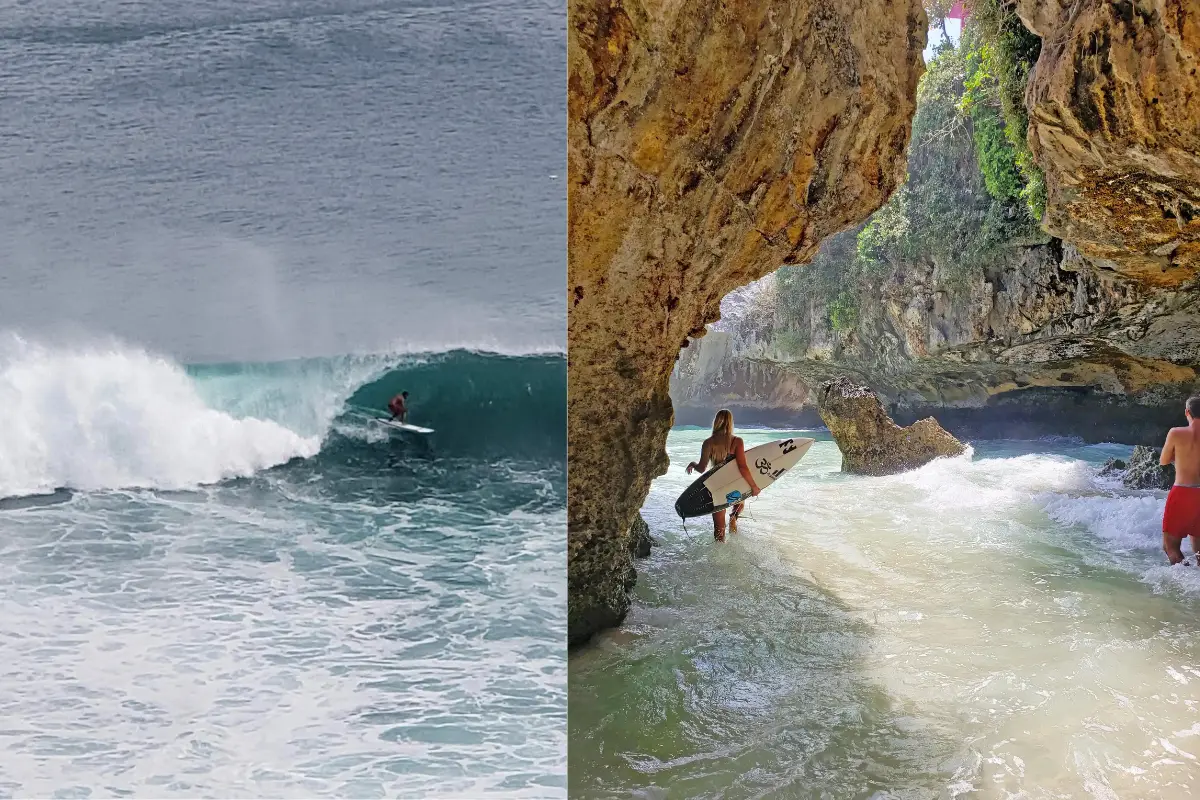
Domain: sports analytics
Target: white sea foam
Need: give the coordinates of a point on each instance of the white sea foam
(1000, 624)
(111, 416)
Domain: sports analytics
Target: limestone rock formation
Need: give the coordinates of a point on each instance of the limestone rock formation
(1041, 346)
(871, 443)
(1144, 472)
(708, 144)
(1040, 336)
(1114, 103)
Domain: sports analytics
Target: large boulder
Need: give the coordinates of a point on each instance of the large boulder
(1144, 472)
(871, 443)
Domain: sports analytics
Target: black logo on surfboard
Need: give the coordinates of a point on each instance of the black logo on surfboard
(764, 468)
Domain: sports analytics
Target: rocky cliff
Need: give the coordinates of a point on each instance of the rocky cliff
(708, 143)
(1022, 334)
(1040, 345)
(1113, 123)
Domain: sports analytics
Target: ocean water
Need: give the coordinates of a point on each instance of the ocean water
(998, 625)
(252, 590)
(254, 181)
(228, 229)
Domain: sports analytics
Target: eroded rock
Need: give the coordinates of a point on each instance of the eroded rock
(871, 443)
(640, 540)
(1114, 123)
(1144, 472)
(708, 144)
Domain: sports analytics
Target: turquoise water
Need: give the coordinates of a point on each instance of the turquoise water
(998, 625)
(224, 581)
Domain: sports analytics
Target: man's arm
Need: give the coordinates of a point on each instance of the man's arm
(1168, 451)
(739, 452)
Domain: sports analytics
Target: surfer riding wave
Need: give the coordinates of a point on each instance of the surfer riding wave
(397, 405)
(721, 448)
(115, 416)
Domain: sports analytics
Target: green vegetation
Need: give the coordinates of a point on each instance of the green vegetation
(792, 342)
(972, 188)
(843, 312)
(999, 53)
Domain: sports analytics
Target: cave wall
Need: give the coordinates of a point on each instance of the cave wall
(708, 143)
(1114, 122)
(1089, 332)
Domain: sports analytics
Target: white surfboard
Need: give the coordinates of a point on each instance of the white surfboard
(724, 485)
(403, 426)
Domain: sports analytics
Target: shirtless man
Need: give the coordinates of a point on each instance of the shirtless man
(1182, 515)
(399, 408)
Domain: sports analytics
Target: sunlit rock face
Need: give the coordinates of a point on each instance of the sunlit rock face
(708, 143)
(1114, 122)
(870, 441)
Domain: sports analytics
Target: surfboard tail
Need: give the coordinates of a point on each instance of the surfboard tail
(696, 501)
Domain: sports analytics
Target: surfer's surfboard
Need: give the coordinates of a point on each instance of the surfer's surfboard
(403, 426)
(724, 485)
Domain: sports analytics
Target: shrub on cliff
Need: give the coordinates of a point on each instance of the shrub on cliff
(999, 53)
(963, 204)
(843, 312)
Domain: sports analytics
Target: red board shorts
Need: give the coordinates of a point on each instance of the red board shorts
(1182, 515)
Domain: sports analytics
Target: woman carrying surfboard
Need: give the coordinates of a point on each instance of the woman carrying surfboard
(721, 448)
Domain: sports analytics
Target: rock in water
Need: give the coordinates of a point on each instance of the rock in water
(639, 537)
(1144, 471)
(870, 442)
(1113, 466)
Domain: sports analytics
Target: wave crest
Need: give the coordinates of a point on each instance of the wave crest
(118, 417)
(114, 416)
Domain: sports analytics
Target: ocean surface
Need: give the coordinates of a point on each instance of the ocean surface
(231, 231)
(253, 181)
(998, 625)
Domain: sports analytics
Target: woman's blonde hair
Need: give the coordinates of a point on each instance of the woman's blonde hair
(722, 435)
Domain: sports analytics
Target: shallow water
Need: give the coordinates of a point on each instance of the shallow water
(998, 625)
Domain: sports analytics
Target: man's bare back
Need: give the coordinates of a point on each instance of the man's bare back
(1181, 517)
(1182, 449)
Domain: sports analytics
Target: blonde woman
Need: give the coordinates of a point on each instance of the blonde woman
(721, 448)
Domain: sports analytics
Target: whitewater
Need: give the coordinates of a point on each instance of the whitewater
(1003, 624)
(223, 580)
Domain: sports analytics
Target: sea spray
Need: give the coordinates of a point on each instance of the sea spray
(118, 417)
(114, 416)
